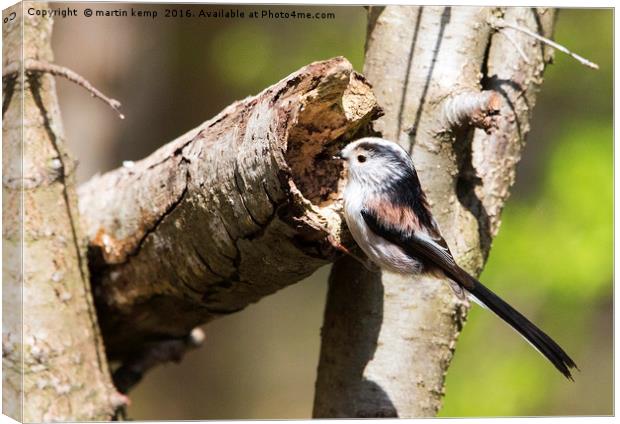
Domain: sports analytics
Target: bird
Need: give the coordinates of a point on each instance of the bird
(388, 215)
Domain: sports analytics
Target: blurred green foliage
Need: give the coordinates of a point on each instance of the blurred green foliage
(571, 217)
(252, 56)
(553, 256)
(553, 259)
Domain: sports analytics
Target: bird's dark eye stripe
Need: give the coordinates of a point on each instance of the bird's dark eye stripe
(376, 148)
(379, 150)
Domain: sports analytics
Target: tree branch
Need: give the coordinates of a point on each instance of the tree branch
(36, 66)
(131, 371)
(230, 212)
(387, 340)
(477, 109)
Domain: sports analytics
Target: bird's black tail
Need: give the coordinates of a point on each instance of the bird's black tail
(541, 341)
(434, 251)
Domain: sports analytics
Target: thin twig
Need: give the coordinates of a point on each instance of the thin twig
(515, 44)
(500, 23)
(32, 65)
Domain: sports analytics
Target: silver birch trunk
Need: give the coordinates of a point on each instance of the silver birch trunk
(440, 74)
(54, 364)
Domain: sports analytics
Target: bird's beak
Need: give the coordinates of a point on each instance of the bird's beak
(338, 156)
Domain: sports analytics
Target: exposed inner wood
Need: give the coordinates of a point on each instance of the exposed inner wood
(320, 132)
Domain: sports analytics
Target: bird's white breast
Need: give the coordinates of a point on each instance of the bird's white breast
(383, 253)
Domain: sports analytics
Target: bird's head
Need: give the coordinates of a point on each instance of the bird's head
(376, 162)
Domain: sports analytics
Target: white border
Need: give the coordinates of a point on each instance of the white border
(553, 3)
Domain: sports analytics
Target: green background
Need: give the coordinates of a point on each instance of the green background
(552, 258)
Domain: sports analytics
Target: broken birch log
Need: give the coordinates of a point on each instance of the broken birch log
(232, 211)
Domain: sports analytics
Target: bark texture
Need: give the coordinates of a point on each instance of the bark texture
(12, 220)
(232, 211)
(438, 72)
(56, 371)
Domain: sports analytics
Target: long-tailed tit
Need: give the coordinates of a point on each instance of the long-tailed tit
(389, 218)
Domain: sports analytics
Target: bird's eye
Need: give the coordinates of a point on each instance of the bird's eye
(361, 158)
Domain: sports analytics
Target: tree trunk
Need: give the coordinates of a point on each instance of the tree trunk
(53, 359)
(438, 72)
(232, 211)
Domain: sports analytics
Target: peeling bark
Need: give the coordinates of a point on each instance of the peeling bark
(387, 340)
(226, 214)
(57, 371)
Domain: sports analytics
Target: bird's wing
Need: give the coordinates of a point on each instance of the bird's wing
(431, 248)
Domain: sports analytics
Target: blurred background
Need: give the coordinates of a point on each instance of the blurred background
(552, 257)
